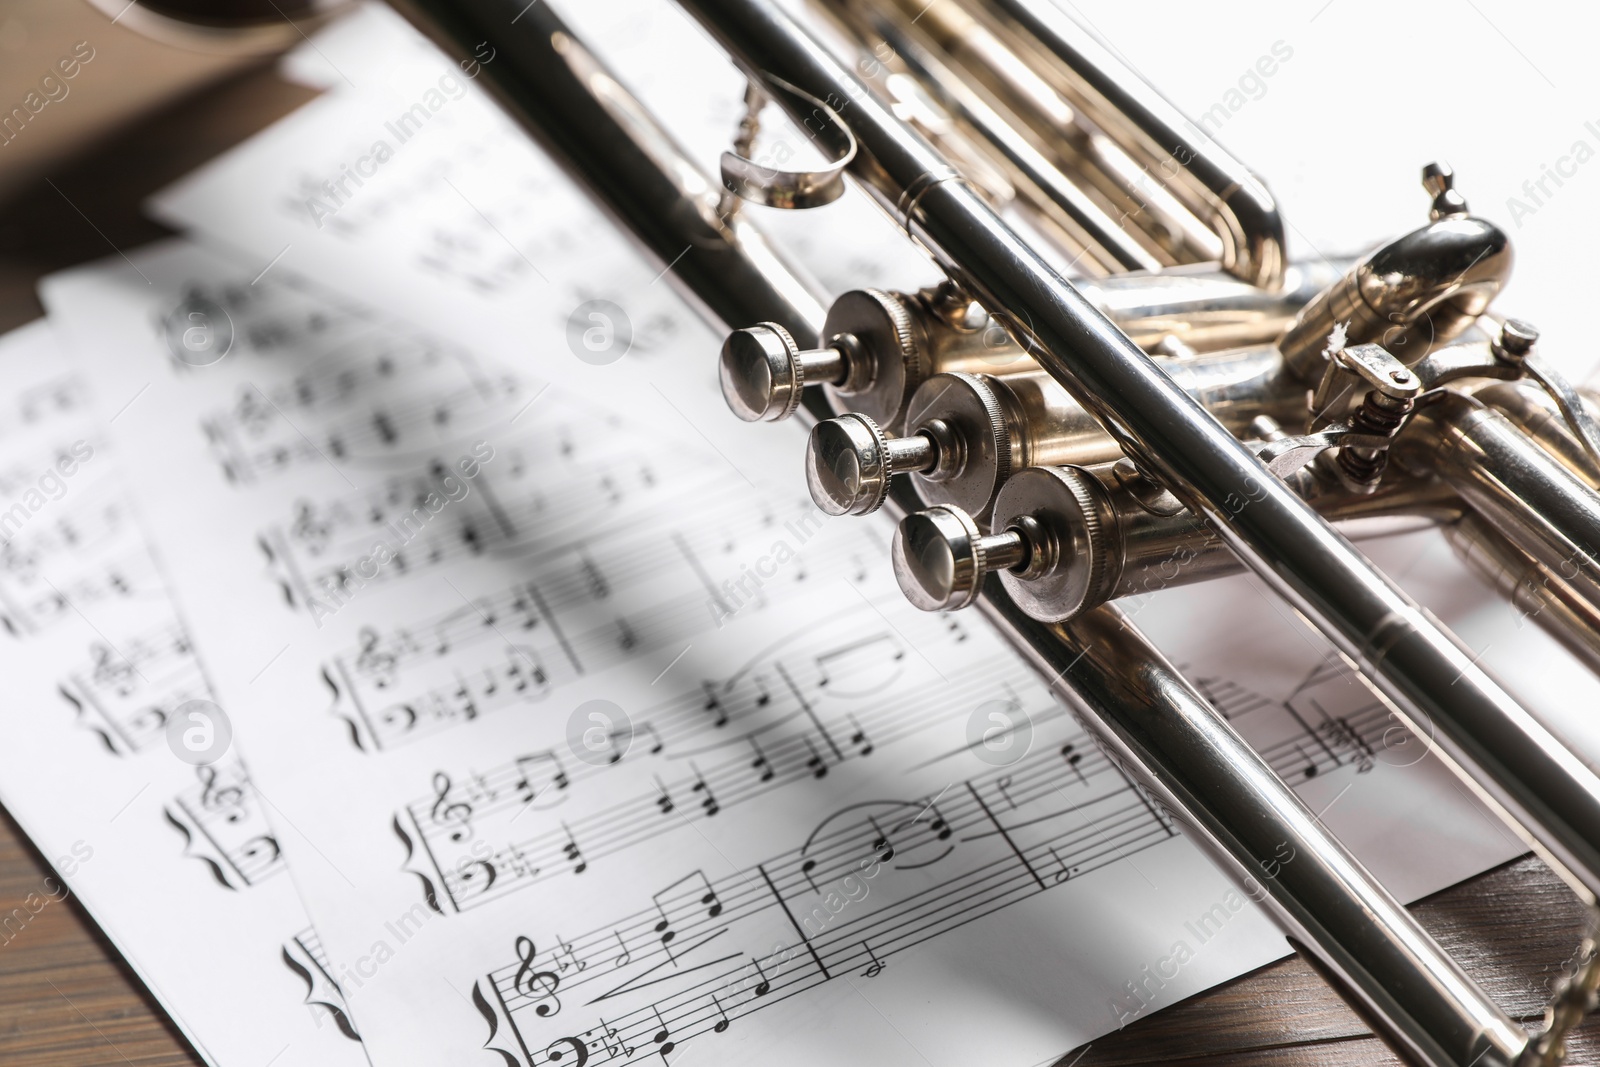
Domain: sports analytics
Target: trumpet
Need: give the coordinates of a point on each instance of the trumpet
(1195, 404)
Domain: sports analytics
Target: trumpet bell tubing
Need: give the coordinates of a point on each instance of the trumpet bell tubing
(1155, 135)
(1432, 680)
(1088, 144)
(1084, 177)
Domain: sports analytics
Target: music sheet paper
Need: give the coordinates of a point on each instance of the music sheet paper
(584, 751)
(176, 862)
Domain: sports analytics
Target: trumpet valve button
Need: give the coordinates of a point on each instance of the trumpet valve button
(761, 373)
(849, 461)
(940, 558)
(847, 465)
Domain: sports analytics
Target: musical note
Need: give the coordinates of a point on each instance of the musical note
(1003, 784)
(875, 968)
(664, 801)
(382, 423)
(524, 667)
(523, 604)
(709, 800)
(627, 640)
(881, 843)
(1073, 759)
(763, 986)
(1064, 873)
(940, 828)
(713, 706)
(550, 766)
(540, 986)
(806, 868)
(662, 1035)
(859, 737)
(815, 764)
(760, 763)
(626, 957)
(709, 899)
(864, 656)
(573, 853)
(599, 587)
(722, 1024)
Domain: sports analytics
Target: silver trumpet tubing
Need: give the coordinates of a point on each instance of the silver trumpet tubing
(1200, 406)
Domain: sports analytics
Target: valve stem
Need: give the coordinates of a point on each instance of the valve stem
(1379, 415)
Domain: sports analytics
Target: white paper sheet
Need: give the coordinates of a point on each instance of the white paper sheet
(804, 823)
(176, 862)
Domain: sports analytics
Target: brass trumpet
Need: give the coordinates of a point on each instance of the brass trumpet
(1199, 405)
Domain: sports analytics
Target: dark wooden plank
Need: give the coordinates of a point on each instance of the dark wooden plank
(65, 996)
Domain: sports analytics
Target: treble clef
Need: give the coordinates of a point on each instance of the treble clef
(540, 985)
(309, 528)
(111, 673)
(447, 811)
(213, 798)
(373, 661)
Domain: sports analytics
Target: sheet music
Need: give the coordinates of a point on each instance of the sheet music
(178, 864)
(615, 759)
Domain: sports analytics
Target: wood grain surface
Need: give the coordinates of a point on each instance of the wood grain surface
(66, 998)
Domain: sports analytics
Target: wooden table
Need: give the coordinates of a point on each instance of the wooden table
(66, 998)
